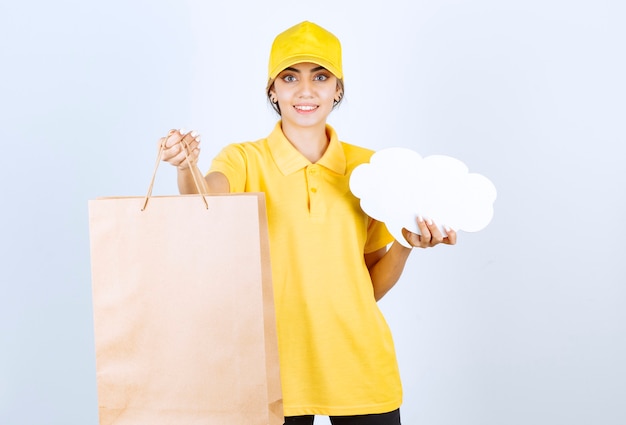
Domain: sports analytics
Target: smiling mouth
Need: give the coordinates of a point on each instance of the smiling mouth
(305, 108)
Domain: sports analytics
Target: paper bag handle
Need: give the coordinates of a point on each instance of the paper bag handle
(156, 167)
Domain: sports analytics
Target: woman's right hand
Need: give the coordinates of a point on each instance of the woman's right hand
(176, 143)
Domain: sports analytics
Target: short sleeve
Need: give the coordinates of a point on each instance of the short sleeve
(231, 161)
(377, 236)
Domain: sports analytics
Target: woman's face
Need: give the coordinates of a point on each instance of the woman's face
(305, 93)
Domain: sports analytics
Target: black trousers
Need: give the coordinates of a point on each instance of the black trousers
(391, 418)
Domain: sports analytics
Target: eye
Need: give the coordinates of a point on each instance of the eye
(321, 77)
(289, 78)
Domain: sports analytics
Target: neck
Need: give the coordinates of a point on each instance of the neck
(311, 142)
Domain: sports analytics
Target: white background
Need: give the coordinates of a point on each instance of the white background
(521, 323)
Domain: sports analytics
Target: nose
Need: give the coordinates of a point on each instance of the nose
(306, 87)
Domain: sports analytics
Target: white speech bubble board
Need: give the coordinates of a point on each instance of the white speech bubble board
(398, 185)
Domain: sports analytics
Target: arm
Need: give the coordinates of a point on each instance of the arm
(213, 182)
(186, 162)
(386, 267)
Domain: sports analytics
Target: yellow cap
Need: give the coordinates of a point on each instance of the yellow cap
(305, 42)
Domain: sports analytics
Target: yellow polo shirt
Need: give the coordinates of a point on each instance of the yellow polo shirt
(336, 351)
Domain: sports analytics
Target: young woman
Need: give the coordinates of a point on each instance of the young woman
(330, 261)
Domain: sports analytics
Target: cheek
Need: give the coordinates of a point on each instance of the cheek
(331, 97)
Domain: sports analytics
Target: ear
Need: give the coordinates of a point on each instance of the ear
(272, 96)
(338, 94)
(338, 97)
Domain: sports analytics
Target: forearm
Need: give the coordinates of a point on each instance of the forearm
(186, 182)
(214, 182)
(387, 271)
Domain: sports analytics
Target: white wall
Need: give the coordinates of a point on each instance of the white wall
(522, 323)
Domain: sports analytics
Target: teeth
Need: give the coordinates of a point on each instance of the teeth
(305, 108)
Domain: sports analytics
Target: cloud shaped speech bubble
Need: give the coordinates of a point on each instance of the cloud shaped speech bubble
(398, 184)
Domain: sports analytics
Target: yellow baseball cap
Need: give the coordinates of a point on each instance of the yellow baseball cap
(305, 42)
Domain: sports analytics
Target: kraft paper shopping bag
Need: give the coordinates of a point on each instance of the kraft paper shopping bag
(184, 319)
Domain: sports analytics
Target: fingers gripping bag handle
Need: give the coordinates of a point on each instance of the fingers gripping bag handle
(199, 186)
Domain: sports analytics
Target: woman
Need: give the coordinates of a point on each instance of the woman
(330, 261)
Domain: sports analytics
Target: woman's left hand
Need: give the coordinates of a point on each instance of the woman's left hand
(430, 235)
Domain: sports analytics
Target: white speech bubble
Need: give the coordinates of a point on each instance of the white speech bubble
(397, 185)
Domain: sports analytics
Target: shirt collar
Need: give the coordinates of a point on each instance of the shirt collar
(289, 159)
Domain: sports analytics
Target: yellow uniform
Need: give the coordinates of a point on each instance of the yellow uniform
(336, 351)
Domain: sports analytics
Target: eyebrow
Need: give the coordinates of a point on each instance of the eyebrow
(319, 68)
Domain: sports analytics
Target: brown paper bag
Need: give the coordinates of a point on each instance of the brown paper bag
(184, 319)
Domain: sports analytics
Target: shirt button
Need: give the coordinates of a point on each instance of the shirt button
(314, 190)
